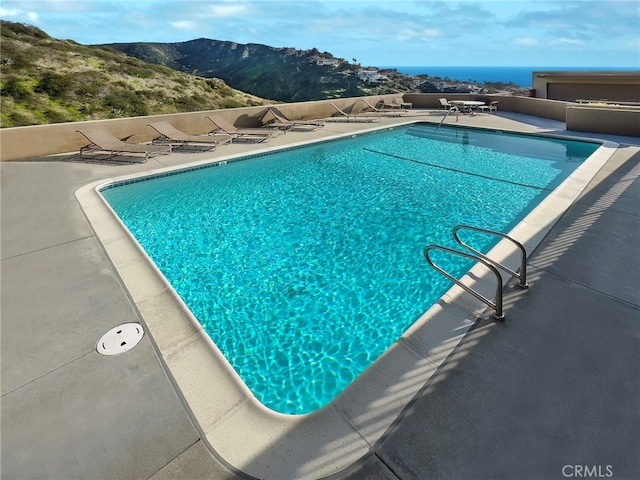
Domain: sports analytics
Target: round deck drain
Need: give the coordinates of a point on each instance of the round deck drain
(120, 339)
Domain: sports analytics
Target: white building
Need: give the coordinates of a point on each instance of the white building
(373, 76)
(332, 62)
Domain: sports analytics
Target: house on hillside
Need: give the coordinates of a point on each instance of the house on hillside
(456, 87)
(373, 76)
(331, 62)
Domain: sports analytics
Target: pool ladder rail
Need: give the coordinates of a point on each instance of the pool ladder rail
(451, 110)
(486, 261)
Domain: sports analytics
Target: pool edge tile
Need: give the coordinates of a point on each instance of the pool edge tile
(267, 444)
(170, 321)
(373, 402)
(436, 333)
(208, 384)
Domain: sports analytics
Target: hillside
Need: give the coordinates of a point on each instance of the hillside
(44, 80)
(283, 74)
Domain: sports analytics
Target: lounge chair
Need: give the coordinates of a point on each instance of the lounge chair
(101, 140)
(389, 112)
(169, 135)
(279, 120)
(400, 101)
(387, 105)
(492, 107)
(238, 134)
(342, 116)
(395, 102)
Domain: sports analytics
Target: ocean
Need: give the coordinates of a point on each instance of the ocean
(521, 76)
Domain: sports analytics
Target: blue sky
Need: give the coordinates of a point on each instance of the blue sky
(556, 33)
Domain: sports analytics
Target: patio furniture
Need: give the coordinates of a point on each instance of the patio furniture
(444, 103)
(467, 106)
(394, 103)
(245, 134)
(389, 112)
(281, 121)
(400, 101)
(388, 104)
(492, 107)
(341, 115)
(169, 135)
(101, 140)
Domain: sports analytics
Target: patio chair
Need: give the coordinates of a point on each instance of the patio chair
(169, 135)
(279, 120)
(238, 134)
(395, 102)
(444, 103)
(342, 116)
(388, 112)
(400, 101)
(101, 140)
(388, 104)
(492, 107)
(460, 106)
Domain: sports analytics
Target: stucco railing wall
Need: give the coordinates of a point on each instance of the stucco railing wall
(611, 120)
(552, 109)
(571, 86)
(41, 140)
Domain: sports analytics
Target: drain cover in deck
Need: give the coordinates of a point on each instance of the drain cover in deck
(120, 339)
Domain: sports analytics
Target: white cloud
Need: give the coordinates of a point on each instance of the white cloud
(566, 41)
(184, 25)
(9, 13)
(229, 10)
(591, 18)
(407, 35)
(31, 16)
(526, 41)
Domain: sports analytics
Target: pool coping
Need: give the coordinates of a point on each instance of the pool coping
(255, 440)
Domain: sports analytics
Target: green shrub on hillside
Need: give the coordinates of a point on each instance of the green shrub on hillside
(17, 89)
(228, 102)
(54, 84)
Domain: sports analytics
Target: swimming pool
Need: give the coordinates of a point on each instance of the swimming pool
(304, 266)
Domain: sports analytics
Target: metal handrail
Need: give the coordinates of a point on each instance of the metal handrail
(522, 276)
(497, 305)
(451, 110)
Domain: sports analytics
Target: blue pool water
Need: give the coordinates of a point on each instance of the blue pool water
(304, 266)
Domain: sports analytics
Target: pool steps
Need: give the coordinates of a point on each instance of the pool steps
(489, 263)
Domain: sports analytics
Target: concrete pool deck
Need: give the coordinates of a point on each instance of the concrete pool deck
(555, 385)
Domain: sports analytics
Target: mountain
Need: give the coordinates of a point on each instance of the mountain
(282, 74)
(45, 80)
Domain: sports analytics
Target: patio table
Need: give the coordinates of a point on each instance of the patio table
(467, 105)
